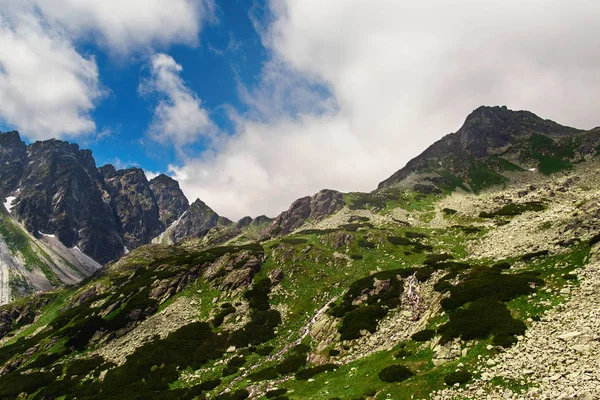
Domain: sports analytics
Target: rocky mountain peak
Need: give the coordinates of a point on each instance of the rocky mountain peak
(315, 208)
(488, 129)
(171, 201)
(60, 194)
(12, 157)
(488, 132)
(195, 222)
(134, 203)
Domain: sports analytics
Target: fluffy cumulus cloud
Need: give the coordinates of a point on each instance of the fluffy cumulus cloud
(179, 117)
(373, 83)
(48, 88)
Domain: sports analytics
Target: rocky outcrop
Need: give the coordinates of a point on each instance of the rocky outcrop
(13, 316)
(170, 199)
(196, 222)
(60, 193)
(12, 159)
(134, 204)
(315, 208)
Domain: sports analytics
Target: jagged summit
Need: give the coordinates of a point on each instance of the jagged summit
(171, 201)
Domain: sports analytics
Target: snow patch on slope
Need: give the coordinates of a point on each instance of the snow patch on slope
(8, 204)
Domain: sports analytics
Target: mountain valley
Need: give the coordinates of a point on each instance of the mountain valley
(473, 272)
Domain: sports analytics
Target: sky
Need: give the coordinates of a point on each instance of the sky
(252, 104)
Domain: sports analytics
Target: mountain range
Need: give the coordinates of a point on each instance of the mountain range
(449, 280)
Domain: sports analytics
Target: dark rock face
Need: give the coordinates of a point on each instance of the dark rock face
(487, 131)
(197, 221)
(489, 128)
(12, 159)
(171, 201)
(134, 203)
(315, 208)
(61, 193)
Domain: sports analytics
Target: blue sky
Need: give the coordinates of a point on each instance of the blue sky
(251, 104)
(230, 50)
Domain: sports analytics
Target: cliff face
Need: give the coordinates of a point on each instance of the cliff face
(134, 203)
(60, 192)
(12, 159)
(170, 199)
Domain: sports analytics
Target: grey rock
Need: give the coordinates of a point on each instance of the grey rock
(170, 199)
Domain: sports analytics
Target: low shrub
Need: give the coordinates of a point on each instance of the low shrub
(356, 226)
(44, 360)
(308, 373)
(416, 235)
(294, 241)
(356, 257)
(84, 366)
(226, 309)
(258, 296)
(334, 352)
(594, 239)
(402, 353)
(291, 363)
(264, 374)
(365, 317)
(531, 256)
(514, 209)
(395, 373)
(271, 394)
(233, 365)
(424, 335)
(442, 286)
(569, 277)
(482, 318)
(12, 385)
(502, 265)
(366, 244)
(399, 241)
(423, 274)
(433, 259)
(491, 282)
(459, 377)
(264, 351)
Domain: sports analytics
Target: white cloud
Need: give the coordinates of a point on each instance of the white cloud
(400, 74)
(151, 175)
(179, 117)
(48, 88)
(125, 25)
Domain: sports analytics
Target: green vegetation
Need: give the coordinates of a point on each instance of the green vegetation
(481, 177)
(459, 377)
(366, 315)
(551, 156)
(395, 373)
(423, 336)
(515, 209)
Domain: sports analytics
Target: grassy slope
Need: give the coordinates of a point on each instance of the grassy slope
(313, 275)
